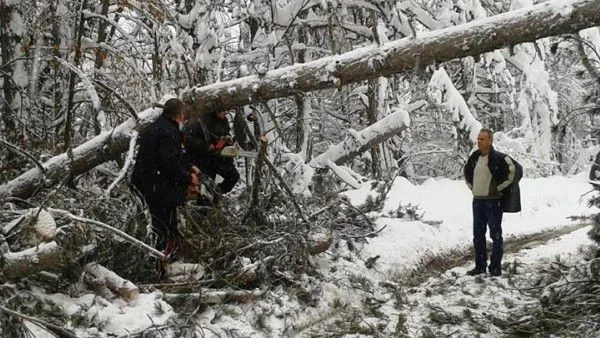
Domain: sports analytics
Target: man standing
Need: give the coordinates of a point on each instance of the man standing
(162, 174)
(205, 137)
(488, 174)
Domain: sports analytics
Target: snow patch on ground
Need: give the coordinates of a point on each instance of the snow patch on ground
(546, 202)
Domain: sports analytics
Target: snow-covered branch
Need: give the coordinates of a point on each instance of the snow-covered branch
(358, 142)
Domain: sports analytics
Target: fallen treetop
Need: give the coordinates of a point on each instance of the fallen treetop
(474, 38)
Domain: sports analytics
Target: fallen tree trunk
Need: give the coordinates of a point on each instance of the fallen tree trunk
(70, 243)
(474, 38)
(102, 148)
(46, 256)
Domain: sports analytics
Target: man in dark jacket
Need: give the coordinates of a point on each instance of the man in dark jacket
(162, 174)
(488, 174)
(205, 137)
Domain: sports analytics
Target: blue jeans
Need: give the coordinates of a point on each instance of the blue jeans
(487, 213)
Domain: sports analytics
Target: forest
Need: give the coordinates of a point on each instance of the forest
(357, 118)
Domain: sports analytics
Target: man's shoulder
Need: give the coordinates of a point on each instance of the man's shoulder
(498, 154)
(474, 155)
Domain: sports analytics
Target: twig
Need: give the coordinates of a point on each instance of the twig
(51, 327)
(119, 97)
(275, 241)
(287, 189)
(128, 161)
(357, 210)
(116, 231)
(367, 234)
(24, 154)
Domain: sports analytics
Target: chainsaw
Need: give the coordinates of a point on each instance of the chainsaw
(235, 151)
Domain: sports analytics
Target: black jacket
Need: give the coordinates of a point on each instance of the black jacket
(501, 173)
(161, 171)
(201, 132)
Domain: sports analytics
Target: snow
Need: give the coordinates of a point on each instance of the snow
(346, 283)
(537, 102)
(456, 293)
(117, 316)
(546, 203)
(442, 91)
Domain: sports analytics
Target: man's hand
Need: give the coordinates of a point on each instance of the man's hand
(195, 179)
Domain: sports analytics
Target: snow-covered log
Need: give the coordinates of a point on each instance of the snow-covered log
(473, 38)
(357, 142)
(69, 244)
(101, 275)
(45, 256)
(104, 147)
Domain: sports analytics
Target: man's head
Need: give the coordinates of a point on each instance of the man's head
(221, 115)
(485, 140)
(173, 109)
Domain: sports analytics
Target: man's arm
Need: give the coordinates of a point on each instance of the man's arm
(196, 138)
(169, 160)
(511, 174)
(466, 174)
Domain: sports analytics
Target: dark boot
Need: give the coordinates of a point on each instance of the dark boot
(496, 272)
(475, 271)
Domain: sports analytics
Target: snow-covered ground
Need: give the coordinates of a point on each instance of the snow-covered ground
(460, 305)
(546, 204)
(351, 300)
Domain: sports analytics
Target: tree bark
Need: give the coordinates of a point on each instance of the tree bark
(72, 78)
(476, 37)
(8, 88)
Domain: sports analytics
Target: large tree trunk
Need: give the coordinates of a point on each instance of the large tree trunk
(476, 37)
(102, 148)
(473, 38)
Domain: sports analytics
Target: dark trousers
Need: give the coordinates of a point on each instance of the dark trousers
(164, 224)
(487, 213)
(224, 167)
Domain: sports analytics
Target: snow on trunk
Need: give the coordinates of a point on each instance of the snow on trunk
(112, 281)
(592, 48)
(442, 92)
(473, 38)
(537, 102)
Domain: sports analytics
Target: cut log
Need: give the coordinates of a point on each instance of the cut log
(474, 38)
(101, 275)
(70, 242)
(180, 272)
(46, 256)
